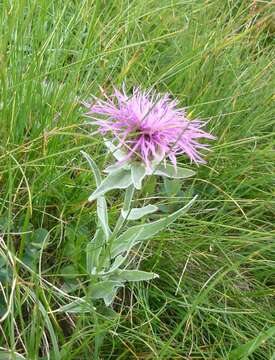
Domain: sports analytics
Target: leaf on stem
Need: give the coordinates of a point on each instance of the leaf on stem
(101, 202)
(138, 213)
(104, 288)
(134, 275)
(138, 233)
(119, 179)
(93, 251)
(172, 172)
(138, 172)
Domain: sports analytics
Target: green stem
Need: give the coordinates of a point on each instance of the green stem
(126, 208)
(120, 222)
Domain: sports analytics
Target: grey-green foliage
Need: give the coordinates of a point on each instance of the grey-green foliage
(105, 255)
(138, 213)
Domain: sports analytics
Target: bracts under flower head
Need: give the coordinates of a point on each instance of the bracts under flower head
(149, 127)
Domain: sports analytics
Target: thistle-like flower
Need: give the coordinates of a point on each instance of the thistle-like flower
(149, 127)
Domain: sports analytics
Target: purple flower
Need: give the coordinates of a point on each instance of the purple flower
(149, 126)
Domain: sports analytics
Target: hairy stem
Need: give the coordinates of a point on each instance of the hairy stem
(120, 222)
(126, 208)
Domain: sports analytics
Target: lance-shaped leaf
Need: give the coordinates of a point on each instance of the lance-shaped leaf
(138, 213)
(119, 179)
(77, 306)
(134, 275)
(142, 232)
(109, 298)
(101, 202)
(117, 262)
(104, 288)
(170, 171)
(138, 173)
(93, 166)
(93, 251)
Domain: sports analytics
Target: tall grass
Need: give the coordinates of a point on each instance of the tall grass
(215, 295)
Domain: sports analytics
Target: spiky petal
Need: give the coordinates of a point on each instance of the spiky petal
(149, 126)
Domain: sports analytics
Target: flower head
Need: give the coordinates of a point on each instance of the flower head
(149, 126)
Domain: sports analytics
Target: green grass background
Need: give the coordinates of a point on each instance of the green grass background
(215, 295)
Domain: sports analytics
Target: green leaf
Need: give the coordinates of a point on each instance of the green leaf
(94, 167)
(3, 260)
(245, 350)
(149, 186)
(108, 313)
(172, 186)
(134, 275)
(30, 257)
(145, 231)
(69, 272)
(119, 179)
(40, 238)
(93, 251)
(5, 275)
(128, 198)
(103, 216)
(170, 171)
(5, 223)
(104, 289)
(117, 262)
(101, 202)
(108, 299)
(77, 306)
(138, 173)
(138, 213)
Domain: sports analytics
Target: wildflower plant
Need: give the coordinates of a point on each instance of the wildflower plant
(144, 133)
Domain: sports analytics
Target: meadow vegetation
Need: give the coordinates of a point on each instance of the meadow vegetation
(214, 298)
